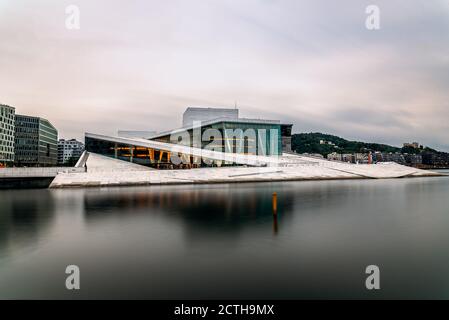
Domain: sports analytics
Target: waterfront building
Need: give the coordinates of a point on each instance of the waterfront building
(361, 157)
(393, 157)
(36, 142)
(69, 150)
(413, 159)
(242, 136)
(7, 114)
(436, 159)
(334, 156)
(348, 157)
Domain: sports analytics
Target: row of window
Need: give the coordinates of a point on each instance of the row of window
(8, 132)
(4, 137)
(7, 124)
(7, 149)
(7, 143)
(6, 156)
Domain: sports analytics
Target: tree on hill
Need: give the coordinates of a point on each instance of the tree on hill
(310, 143)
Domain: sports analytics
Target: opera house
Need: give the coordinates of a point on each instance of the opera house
(212, 146)
(208, 137)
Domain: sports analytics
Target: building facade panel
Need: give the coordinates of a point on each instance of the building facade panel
(69, 150)
(267, 139)
(48, 143)
(7, 131)
(36, 141)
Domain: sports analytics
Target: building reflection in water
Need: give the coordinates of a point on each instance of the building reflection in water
(275, 224)
(24, 217)
(212, 209)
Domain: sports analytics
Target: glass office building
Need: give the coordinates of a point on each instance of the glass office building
(7, 115)
(36, 142)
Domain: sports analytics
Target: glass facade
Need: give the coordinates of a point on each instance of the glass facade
(7, 116)
(240, 137)
(36, 142)
(136, 154)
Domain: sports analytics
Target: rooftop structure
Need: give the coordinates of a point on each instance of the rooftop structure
(204, 114)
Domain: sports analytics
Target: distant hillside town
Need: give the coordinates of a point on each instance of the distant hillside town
(338, 149)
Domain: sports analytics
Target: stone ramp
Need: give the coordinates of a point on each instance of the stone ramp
(99, 163)
(104, 171)
(383, 170)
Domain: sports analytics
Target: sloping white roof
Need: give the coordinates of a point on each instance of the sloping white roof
(243, 159)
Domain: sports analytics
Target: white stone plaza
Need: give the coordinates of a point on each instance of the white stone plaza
(104, 171)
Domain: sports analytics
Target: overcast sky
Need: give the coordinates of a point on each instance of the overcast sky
(139, 64)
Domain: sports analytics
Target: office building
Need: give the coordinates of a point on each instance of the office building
(69, 150)
(36, 142)
(7, 115)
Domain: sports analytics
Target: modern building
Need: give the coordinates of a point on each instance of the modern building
(413, 159)
(7, 115)
(69, 150)
(286, 134)
(206, 114)
(234, 135)
(222, 135)
(36, 142)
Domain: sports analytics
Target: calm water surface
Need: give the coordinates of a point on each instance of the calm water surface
(221, 241)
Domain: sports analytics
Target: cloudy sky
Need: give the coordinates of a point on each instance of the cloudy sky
(138, 64)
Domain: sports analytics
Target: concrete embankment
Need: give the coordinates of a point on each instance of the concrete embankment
(25, 178)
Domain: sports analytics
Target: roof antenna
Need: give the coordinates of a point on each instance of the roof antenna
(235, 104)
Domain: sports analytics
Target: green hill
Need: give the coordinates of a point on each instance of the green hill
(310, 143)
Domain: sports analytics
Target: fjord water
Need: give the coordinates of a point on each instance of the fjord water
(221, 241)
